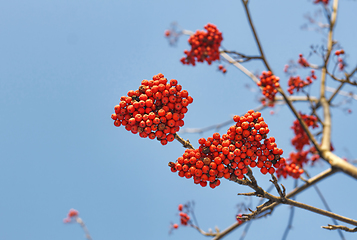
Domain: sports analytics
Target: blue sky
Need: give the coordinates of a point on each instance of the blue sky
(65, 64)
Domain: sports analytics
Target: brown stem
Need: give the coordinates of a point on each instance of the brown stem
(320, 211)
(335, 93)
(301, 121)
(241, 55)
(294, 192)
(353, 72)
(285, 200)
(326, 136)
(240, 67)
(245, 3)
(210, 233)
(84, 227)
(333, 227)
(185, 144)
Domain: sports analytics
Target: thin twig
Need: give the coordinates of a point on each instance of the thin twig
(185, 144)
(333, 227)
(353, 72)
(261, 193)
(291, 217)
(245, 230)
(294, 192)
(245, 3)
(241, 55)
(326, 205)
(210, 233)
(343, 93)
(289, 226)
(294, 203)
(335, 93)
(240, 67)
(84, 227)
(275, 182)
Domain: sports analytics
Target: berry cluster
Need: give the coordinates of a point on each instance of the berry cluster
(302, 61)
(322, 1)
(229, 155)
(269, 84)
(341, 63)
(221, 68)
(301, 139)
(155, 110)
(296, 83)
(293, 165)
(71, 215)
(184, 217)
(338, 52)
(204, 46)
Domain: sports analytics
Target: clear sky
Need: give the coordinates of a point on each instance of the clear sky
(65, 64)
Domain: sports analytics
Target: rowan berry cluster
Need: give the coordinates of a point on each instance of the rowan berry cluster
(222, 69)
(296, 83)
(204, 46)
(341, 63)
(302, 61)
(338, 52)
(293, 165)
(229, 155)
(301, 139)
(322, 1)
(269, 83)
(155, 110)
(184, 217)
(71, 215)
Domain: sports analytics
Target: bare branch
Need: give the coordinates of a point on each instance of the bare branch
(294, 192)
(240, 67)
(343, 93)
(320, 211)
(326, 137)
(209, 233)
(335, 92)
(245, 3)
(185, 144)
(254, 214)
(248, 194)
(246, 58)
(282, 199)
(326, 206)
(289, 226)
(353, 72)
(334, 227)
(84, 227)
(275, 182)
